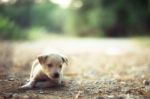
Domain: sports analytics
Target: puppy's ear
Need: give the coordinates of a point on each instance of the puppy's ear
(65, 59)
(42, 59)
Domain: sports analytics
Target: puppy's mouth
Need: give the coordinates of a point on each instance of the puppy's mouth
(55, 79)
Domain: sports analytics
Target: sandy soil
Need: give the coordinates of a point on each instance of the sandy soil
(98, 69)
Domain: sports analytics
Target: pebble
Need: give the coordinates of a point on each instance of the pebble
(15, 95)
(99, 97)
(146, 82)
(123, 82)
(97, 82)
(26, 97)
(41, 92)
(11, 79)
(111, 96)
(121, 97)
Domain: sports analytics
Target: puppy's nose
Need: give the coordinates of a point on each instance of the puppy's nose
(56, 75)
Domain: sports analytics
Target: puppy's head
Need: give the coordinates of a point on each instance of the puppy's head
(52, 65)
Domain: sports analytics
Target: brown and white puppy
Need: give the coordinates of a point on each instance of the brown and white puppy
(46, 71)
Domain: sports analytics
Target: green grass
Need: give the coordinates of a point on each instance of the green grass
(40, 34)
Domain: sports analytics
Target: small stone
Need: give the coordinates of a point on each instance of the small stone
(11, 79)
(26, 97)
(41, 92)
(15, 95)
(96, 82)
(99, 97)
(121, 97)
(123, 83)
(111, 96)
(146, 82)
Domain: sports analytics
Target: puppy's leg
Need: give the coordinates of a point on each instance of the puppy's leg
(29, 85)
(35, 71)
(33, 67)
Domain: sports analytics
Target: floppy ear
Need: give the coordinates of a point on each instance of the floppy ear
(42, 59)
(65, 59)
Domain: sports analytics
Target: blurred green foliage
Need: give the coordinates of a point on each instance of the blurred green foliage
(17, 20)
(111, 17)
(47, 15)
(114, 18)
(8, 30)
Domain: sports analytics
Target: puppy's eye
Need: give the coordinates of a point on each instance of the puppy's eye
(60, 66)
(49, 65)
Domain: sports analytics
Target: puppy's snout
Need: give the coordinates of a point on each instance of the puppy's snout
(56, 75)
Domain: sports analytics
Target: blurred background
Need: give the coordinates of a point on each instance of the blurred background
(34, 19)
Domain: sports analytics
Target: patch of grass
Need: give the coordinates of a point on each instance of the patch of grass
(41, 33)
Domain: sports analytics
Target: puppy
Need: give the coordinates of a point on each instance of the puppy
(46, 71)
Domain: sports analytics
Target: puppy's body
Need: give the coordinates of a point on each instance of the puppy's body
(37, 70)
(46, 71)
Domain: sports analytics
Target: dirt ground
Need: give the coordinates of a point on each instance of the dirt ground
(98, 69)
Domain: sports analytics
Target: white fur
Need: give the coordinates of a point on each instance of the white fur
(41, 75)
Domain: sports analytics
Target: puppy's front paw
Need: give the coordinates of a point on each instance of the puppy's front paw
(26, 86)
